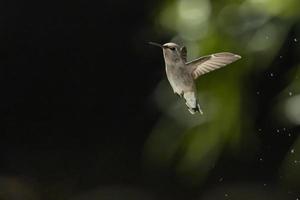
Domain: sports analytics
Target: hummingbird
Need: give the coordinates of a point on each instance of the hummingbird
(182, 74)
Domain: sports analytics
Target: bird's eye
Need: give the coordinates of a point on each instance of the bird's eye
(172, 48)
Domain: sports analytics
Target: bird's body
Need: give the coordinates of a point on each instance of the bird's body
(182, 74)
(183, 84)
(179, 78)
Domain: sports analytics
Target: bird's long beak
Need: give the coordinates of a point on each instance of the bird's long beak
(156, 44)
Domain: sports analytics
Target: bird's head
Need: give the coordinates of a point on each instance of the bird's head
(171, 51)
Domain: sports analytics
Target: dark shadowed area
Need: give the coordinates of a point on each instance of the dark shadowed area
(87, 112)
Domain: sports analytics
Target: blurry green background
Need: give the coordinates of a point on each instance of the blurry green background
(88, 112)
(248, 133)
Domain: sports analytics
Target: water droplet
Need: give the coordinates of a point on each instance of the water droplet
(271, 74)
(226, 195)
(260, 159)
(221, 179)
(290, 93)
(292, 151)
(295, 40)
(284, 129)
(265, 184)
(280, 56)
(257, 92)
(289, 135)
(296, 161)
(277, 130)
(259, 129)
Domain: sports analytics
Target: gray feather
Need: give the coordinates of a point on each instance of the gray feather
(210, 63)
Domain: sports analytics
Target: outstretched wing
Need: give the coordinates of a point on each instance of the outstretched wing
(183, 53)
(210, 63)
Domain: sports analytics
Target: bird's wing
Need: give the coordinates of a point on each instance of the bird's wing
(210, 63)
(183, 53)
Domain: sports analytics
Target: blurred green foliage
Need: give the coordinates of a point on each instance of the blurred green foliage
(254, 29)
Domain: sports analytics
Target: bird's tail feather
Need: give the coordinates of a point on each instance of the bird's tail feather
(192, 103)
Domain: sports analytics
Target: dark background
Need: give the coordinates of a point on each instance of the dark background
(76, 82)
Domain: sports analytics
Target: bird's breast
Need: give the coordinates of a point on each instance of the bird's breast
(179, 78)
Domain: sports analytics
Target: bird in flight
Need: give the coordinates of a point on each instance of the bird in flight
(182, 74)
